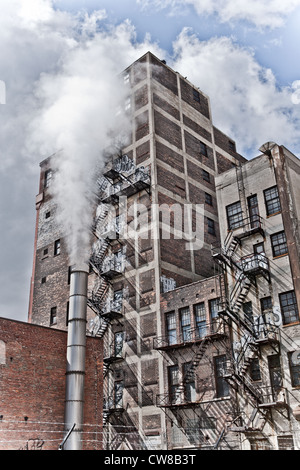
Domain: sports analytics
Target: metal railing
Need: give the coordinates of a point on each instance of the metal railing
(254, 262)
(137, 180)
(190, 335)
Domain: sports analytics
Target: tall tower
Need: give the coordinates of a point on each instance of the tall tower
(154, 226)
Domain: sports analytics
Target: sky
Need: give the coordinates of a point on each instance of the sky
(58, 63)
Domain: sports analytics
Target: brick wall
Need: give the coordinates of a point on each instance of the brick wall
(32, 388)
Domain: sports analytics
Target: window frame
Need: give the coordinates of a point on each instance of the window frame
(281, 244)
(271, 201)
(236, 219)
(57, 247)
(294, 317)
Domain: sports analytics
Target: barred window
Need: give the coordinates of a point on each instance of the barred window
(279, 244)
(272, 200)
(234, 215)
(289, 308)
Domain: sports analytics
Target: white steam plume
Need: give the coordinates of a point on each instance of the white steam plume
(76, 121)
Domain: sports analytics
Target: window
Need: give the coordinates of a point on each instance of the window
(189, 382)
(222, 385)
(234, 215)
(206, 176)
(200, 320)
(203, 149)
(266, 304)
(255, 370)
(173, 379)
(214, 309)
(57, 247)
(185, 324)
(279, 245)
(211, 226)
(253, 211)
(289, 308)
(48, 215)
(45, 252)
(259, 248)
(196, 95)
(171, 328)
(118, 394)
(272, 201)
(118, 343)
(231, 145)
(208, 199)
(44, 279)
(48, 178)
(53, 318)
(294, 362)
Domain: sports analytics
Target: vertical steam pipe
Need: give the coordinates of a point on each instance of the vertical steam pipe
(76, 349)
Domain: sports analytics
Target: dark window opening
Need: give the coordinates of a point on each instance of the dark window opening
(234, 215)
(57, 247)
(206, 176)
(203, 149)
(196, 95)
(208, 199)
(48, 178)
(53, 316)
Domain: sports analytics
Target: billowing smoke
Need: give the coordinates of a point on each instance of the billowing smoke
(80, 113)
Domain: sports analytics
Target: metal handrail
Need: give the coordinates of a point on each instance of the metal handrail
(190, 336)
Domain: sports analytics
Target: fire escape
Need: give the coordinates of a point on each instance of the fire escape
(254, 332)
(182, 401)
(108, 262)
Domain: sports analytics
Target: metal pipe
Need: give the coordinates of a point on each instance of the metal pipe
(76, 349)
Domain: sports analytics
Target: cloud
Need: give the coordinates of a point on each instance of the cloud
(261, 13)
(60, 73)
(246, 101)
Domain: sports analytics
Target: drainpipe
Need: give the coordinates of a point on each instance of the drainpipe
(76, 349)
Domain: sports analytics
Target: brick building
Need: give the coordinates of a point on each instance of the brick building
(165, 180)
(32, 388)
(156, 292)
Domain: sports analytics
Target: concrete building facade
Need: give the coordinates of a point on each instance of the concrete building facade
(258, 204)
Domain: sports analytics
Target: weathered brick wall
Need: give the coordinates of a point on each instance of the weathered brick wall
(32, 388)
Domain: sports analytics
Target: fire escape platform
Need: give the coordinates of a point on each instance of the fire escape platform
(183, 344)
